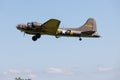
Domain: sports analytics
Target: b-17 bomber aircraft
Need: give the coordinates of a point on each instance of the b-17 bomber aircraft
(51, 27)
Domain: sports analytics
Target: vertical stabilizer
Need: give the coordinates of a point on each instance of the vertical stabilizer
(90, 25)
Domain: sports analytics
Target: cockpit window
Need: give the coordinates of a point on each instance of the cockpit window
(33, 24)
(36, 24)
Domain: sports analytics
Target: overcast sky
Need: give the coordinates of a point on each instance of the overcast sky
(65, 58)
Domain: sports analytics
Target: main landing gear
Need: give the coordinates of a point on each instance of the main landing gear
(37, 36)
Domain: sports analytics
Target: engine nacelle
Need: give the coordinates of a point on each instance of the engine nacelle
(59, 31)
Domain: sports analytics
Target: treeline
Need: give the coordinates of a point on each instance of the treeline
(19, 78)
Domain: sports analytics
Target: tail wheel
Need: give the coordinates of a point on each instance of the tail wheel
(80, 39)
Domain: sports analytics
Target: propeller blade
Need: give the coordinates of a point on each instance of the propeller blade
(24, 34)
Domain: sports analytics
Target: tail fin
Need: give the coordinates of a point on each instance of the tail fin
(90, 25)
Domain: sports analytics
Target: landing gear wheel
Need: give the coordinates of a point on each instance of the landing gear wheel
(57, 36)
(34, 38)
(38, 35)
(80, 39)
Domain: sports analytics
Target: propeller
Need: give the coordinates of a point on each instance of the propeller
(24, 34)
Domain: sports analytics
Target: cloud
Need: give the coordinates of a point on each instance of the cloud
(53, 70)
(32, 75)
(24, 73)
(28, 71)
(104, 69)
(12, 72)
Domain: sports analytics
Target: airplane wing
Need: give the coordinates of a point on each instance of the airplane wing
(50, 27)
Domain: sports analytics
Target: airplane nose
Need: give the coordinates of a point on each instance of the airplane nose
(18, 27)
(21, 27)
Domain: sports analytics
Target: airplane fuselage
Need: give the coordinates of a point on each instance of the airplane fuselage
(51, 28)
